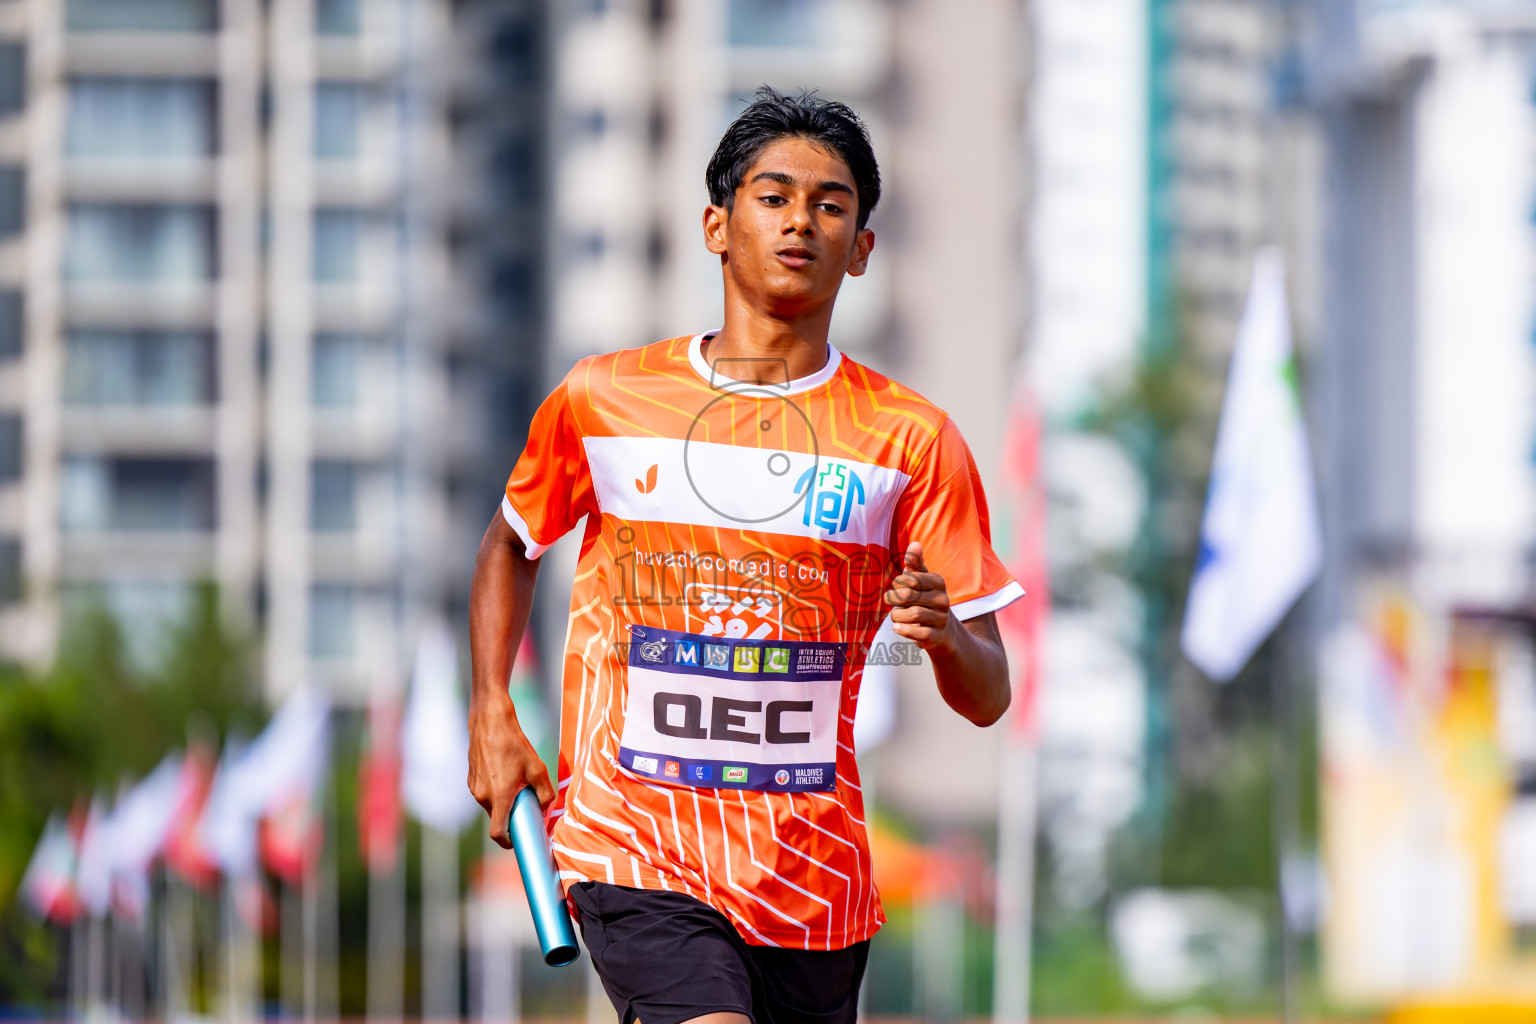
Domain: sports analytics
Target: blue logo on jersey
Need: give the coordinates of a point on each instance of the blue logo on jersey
(830, 491)
(699, 772)
(685, 653)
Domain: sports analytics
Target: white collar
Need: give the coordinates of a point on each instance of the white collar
(724, 383)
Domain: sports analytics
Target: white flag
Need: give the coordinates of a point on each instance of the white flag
(434, 739)
(225, 829)
(93, 872)
(1260, 542)
(287, 758)
(142, 820)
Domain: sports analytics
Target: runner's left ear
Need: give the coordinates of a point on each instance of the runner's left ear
(862, 245)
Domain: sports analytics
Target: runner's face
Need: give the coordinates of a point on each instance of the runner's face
(793, 231)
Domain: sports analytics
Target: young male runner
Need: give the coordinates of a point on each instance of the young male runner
(755, 503)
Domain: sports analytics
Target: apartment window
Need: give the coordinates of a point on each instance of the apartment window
(333, 377)
(776, 22)
(13, 77)
(141, 118)
(13, 200)
(145, 368)
(333, 497)
(338, 118)
(12, 323)
(338, 17)
(11, 435)
(513, 285)
(336, 237)
(515, 167)
(332, 621)
(109, 242)
(514, 51)
(100, 493)
(142, 15)
(10, 570)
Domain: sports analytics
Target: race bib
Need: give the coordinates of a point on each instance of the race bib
(724, 713)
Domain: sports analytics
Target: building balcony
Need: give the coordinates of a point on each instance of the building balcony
(189, 304)
(139, 430)
(159, 54)
(90, 556)
(119, 179)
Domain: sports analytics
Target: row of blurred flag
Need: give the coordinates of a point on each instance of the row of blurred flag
(262, 804)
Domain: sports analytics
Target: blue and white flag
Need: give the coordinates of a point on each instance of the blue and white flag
(1260, 543)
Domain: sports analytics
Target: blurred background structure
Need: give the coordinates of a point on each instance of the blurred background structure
(282, 281)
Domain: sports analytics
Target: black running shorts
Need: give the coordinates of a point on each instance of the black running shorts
(665, 957)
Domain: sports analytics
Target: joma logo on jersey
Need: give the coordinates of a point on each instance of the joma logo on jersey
(831, 490)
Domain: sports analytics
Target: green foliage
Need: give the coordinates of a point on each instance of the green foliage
(1075, 971)
(92, 721)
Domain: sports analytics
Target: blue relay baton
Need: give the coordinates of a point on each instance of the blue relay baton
(557, 939)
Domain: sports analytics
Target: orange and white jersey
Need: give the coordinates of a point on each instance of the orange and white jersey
(739, 539)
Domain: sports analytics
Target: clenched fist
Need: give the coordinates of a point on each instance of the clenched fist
(502, 762)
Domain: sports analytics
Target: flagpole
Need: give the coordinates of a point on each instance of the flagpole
(329, 994)
(1012, 944)
(77, 965)
(173, 1005)
(386, 931)
(440, 930)
(291, 937)
(1283, 807)
(497, 951)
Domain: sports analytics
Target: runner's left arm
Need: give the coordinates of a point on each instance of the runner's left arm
(968, 657)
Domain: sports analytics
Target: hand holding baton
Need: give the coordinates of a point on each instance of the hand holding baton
(557, 939)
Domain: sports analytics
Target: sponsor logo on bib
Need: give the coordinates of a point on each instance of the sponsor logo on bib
(781, 776)
(644, 764)
(717, 657)
(734, 773)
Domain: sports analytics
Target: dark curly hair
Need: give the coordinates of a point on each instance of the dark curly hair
(772, 116)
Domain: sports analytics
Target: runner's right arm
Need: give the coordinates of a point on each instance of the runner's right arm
(501, 760)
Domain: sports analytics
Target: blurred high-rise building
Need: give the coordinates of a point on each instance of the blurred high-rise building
(267, 291)
(1233, 164)
(1428, 373)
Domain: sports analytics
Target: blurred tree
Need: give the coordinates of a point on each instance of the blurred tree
(92, 720)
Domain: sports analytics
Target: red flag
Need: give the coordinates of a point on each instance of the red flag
(378, 804)
(184, 851)
(1022, 623)
(290, 837)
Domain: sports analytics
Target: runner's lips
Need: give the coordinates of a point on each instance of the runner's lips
(796, 256)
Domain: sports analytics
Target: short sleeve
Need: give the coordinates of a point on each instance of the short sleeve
(550, 489)
(945, 510)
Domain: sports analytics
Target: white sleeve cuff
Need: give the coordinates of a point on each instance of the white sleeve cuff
(1000, 598)
(531, 547)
